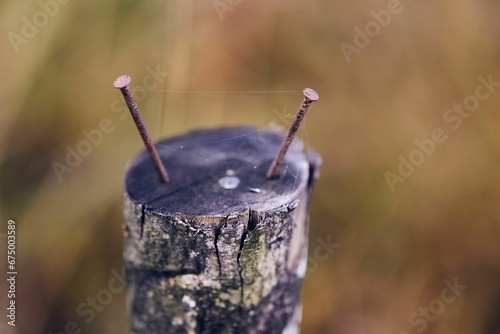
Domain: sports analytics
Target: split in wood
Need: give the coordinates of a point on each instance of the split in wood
(310, 96)
(122, 84)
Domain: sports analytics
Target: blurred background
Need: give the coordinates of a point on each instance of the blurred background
(400, 241)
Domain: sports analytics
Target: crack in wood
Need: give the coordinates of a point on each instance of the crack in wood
(240, 268)
(253, 219)
(217, 233)
(143, 208)
(315, 162)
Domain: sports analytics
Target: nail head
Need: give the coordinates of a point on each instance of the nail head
(311, 94)
(122, 82)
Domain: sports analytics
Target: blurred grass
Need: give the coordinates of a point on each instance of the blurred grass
(395, 248)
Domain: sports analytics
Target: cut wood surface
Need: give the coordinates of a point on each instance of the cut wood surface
(220, 248)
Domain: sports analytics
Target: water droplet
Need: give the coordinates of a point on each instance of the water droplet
(254, 190)
(229, 182)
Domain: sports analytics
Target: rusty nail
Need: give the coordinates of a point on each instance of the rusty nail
(122, 84)
(310, 96)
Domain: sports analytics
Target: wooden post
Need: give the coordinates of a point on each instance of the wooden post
(220, 248)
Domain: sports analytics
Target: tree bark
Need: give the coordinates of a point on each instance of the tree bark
(219, 249)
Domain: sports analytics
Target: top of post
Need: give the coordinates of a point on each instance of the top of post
(218, 172)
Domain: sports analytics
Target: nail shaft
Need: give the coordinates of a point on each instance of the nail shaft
(122, 84)
(310, 96)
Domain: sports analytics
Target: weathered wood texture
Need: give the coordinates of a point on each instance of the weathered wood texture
(205, 258)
